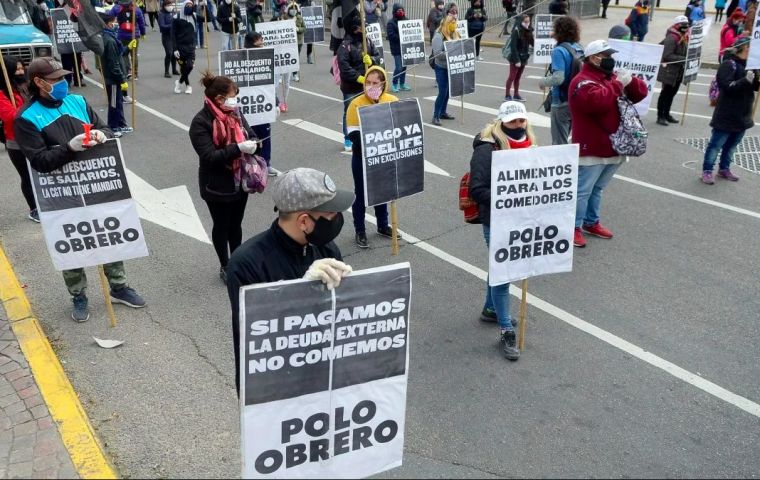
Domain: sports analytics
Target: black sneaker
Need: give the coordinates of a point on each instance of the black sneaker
(388, 232)
(671, 119)
(223, 274)
(361, 240)
(34, 216)
(509, 345)
(662, 121)
(80, 313)
(127, 296)
(446, 116)
(488, 316)
(167, 75)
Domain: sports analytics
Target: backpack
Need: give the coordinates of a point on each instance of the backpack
(505, 50)
(714, 90)
(630, 139)
(574, 68)
(466, 204)
(124, 19)
(253, 173)
(335, 68)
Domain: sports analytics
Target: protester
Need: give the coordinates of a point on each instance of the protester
(676, 44)
(183, 44)
(353, 64)
(594, 93)
(123, 13)
(476, 23)
(114, 76)
(254, 11)
(68, 60)
(49, 131)
(375, 91)
(309, 46)
(202, 17)
(165, 19)
(638, 20)
(731, 30)
(620, 32)
(733, 114)
(373, 10)
(720, 5)
(278, 9)
(8, 110)
(294, 13)
(694, 11)
(298, 244)
(447, 31)
(510, 8)
(567, 34)
(151, 7)
(394, 39)
(558, 7)
(229, 21)
(520, 46)
(742, 4)
(434, 18)
(605, 6)
(262, 131)
(510, 130)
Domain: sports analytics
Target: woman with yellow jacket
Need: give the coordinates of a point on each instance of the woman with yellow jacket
(447, 31)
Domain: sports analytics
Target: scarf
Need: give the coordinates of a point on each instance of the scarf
(112, 34)
(681, 37)
(226, 130)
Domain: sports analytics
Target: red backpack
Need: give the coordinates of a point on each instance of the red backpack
(466, 204)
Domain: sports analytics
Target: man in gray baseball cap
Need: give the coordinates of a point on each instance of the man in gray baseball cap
(298, 244)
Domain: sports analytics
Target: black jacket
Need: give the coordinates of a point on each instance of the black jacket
(480, 176)
(224, 16)
(113, 68)
(270, 256)
(673, 56)
(558, 7)
(45, 144)
(165, 20)
(476, 25)
(734, 110)
(519, 46)
(394, 38)
(350, 63)
(215, 177)
(183, 38)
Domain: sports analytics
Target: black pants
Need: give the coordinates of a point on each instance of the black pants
(166, 41)
(665, 101)
(226, 233)
(19, 161)
(153, 16)
(477, 35)
(605, 5)
(309, 48)
(718, 14)
(185, 67)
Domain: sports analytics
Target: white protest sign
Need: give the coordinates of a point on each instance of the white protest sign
(543, 42)
(643, 61)
(463, 30)
(698, 32)
(412, 41)
(252, 70)
(86, 210)
(324, 375)
(753, 61)
(375, 35)
(533, 194)
(281, 35)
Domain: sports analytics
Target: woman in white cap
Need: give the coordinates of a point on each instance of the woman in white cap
(508, 131)
(676, 44)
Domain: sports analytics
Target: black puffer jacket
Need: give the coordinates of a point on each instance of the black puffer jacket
(215, 177)
(350, 62)
(734, 110)
(522, 40)
(480, 176)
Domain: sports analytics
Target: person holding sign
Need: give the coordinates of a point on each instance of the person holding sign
(229, 20)
(114, 76)
(220, 135)
(520, 46)
(394, 39)
(510, 130)
(733, 113)
(676, 44)
(594, 94)
(446, 32)
(298, 244)
(49, 130)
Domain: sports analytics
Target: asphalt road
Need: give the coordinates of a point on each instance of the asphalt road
(612, 381)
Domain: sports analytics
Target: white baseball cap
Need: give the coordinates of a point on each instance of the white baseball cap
(512, 110)
(598, 46)
(680, 19)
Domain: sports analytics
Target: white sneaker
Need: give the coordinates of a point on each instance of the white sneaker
(480, 59)
(177, 87)
(188, 90)
(296, 78)
(273, 172)
(127, 99)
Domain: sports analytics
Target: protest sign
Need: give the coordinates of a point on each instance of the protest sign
(694, 51)
(753, 61)
(643, 61)
(412, 41)
(65, 33)
(253, 72)
(460, 58)
(462, 29)
(86, 210)
(324, 375)
(314, 19)
(281, 35)
(543, 42)
(533, 194)
(392, 150)
(375, 35)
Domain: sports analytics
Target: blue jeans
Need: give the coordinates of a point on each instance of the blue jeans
(399, 74)
(347, 97)
(724, 141)
(201, 28)
(358, 209)
(591, 183)
(442, 100)
(263, 132)
(497, 298)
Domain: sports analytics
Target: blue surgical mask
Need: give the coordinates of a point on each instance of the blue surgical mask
(59, 90)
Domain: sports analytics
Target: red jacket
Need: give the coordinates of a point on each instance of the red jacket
(594, 112)
(8, 113)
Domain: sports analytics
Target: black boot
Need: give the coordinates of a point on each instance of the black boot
(509, 345)
(662, 121)
(670, 118)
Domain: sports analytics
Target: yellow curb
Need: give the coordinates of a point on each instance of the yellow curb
(65, 409)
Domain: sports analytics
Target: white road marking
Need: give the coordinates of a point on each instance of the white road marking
(536, 119)
(657, 90)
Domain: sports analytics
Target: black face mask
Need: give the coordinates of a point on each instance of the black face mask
(607, 65)
(325, 231)
(19, 79)
(514, 133)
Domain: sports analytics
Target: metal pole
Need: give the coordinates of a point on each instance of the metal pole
(106, 289)
(523, 314)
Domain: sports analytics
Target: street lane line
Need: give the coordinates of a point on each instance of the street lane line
(536, 119)
(657, 90)
(62, 401)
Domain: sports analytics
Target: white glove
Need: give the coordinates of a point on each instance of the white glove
(329, 271)
(750, 75)
(176, 53)
(98, 136)
(248, 146)
(76, 144)
(624, 76)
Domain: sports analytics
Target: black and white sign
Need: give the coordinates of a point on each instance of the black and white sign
(314, 19)
(533, 194)
(643, 61)
(281, 35)
(412, 40)
(392, 147)
(87, 213)
(375, 35)
(543, 42)
(65, 33)
(698, 33)
(324, 375)
(460, 58)
(253, 72)
(463, 29)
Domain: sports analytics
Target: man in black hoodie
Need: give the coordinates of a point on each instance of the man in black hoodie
(115, 76)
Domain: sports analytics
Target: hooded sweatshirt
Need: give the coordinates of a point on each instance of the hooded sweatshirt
(394, 38)
(352, 114)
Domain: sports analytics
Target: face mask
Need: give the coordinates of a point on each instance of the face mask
(683, 28)
(19, 79)
(440, 7)
(526, 25)
(400, 14)
(607, 64)
(188, 11)
(452, 27)
(230, 103)
(325, 231)
(59, 90)
(292, 12)
(374, 92)
(514, 133)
